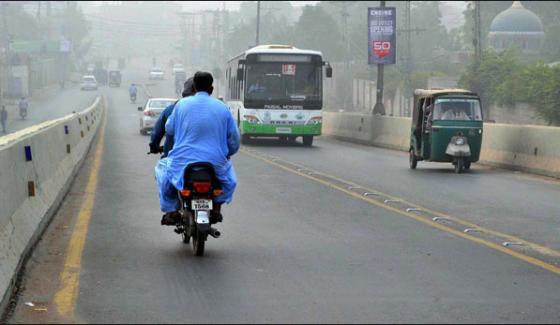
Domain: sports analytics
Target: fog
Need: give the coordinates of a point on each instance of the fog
(47, 43)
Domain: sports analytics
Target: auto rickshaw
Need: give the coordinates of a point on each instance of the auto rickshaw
(446, 127)
(115, 78)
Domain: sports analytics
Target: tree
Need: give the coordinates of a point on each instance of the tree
(317, 30)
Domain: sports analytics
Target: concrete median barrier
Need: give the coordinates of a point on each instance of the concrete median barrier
(37, 166)
(534, 149)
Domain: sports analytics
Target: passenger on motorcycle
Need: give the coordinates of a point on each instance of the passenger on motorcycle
(23, 105)
(132, 90)
(159, 127)
(204, 131)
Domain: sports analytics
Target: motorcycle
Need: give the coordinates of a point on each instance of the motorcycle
(23, 113)
(198, 206)
(133, 98)
(199, 209)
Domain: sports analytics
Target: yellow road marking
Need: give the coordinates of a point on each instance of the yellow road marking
(65, 298)
(523, 257)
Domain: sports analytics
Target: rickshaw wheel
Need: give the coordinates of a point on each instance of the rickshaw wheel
(413, 162)
(467, 165)
(459, 166)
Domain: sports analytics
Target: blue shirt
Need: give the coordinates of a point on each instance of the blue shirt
(204, 131)
(159, 131)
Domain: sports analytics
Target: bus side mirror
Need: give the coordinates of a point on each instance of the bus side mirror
(329, 71)
(240, 74)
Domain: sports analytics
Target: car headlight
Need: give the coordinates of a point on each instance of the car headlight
(460, 141)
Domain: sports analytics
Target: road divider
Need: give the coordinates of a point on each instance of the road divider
(534, 149)
(37, 166)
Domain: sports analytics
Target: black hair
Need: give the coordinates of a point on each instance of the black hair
(203, 81)
(188, 88)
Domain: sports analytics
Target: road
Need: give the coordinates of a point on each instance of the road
(50, 104)
(302, 242)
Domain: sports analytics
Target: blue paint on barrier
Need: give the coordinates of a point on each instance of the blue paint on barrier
(28, 156)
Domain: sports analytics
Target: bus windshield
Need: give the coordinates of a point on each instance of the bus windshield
(283, 82)
(466, 109)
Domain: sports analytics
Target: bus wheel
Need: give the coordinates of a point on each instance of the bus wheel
(308, 140)
(413, 161)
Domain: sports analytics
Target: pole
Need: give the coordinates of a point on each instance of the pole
(6, 45)
(477, 42)
(258, 22)
(379, 107)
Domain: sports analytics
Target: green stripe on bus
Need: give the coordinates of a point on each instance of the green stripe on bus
(269, 129)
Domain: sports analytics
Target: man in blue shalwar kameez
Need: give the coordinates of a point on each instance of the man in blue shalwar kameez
(204, 131)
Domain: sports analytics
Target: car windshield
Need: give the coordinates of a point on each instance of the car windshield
(159, 104)
(465, 109)
(88, 79)
(283, 81)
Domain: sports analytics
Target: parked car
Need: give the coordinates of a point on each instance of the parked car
(156, 73)
(88, 83)
(151, 111)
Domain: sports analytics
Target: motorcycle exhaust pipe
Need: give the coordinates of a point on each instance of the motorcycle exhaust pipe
(215, 232)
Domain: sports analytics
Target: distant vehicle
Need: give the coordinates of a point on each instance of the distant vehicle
(88, 83)
(446, 127)
(115, 78)
(156, 74)
(177, 67)
(151, 111)
(283, 92)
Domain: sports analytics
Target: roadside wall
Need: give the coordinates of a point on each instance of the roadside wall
(57, 149)
(534, 149)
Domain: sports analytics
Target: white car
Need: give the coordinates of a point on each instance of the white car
(178, 68)
(88, 83)
(156, 73)
(151, 112)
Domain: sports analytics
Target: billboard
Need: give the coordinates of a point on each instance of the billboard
(382, 38)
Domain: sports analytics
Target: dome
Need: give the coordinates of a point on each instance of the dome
(516, 19)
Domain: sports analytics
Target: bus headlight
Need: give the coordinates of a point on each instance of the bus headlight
(315, 120)
(251, 119)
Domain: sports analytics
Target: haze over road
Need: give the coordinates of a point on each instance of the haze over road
(297, 246)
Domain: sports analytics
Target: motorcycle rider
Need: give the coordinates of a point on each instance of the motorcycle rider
(23, 105)
(132, 92)
(159, 127)
(204, 131)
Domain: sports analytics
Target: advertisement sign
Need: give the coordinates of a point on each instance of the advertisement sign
(382, 38)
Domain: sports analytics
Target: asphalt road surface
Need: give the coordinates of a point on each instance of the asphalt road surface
(314, 235)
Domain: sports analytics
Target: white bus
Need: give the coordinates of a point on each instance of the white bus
(277, 91)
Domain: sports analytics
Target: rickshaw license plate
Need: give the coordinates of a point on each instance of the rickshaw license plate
(201, 205)
(283, 130)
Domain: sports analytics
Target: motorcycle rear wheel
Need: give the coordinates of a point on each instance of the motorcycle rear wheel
(198, 243)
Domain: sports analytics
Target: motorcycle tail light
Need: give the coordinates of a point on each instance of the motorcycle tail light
(201, 187)
(185, 193)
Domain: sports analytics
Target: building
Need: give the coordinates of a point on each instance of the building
(516, 27)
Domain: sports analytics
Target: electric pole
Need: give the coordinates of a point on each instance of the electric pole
(379, 106)
(258, 22)
(477, 41)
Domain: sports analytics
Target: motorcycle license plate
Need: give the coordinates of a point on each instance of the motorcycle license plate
(201, 205)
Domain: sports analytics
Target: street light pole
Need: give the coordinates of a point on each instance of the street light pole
(379, 106)
(258, 22)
